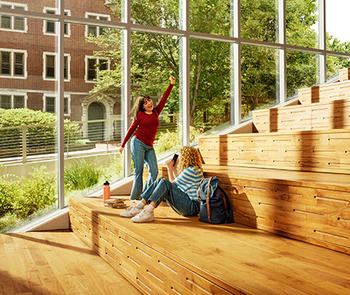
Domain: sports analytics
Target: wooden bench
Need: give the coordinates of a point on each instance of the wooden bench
(178, 255)
(321, 151)
(317, 116)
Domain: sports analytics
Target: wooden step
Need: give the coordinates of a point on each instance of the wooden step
(321, 151)
(324, 93)
(178, 255)
(344, 74)
(55, 263)
(319, 116)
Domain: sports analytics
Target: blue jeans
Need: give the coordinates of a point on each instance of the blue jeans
(163, 190)
(142, 153)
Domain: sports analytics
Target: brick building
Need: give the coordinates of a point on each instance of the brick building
(28, 61)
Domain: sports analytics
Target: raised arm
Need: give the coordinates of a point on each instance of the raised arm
(131, 130)
(165, 96)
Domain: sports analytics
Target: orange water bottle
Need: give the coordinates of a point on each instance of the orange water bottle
(106, 191)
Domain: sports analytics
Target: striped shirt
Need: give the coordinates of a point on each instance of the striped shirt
(188, 181)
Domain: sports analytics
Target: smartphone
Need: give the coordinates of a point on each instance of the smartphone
(175, 159)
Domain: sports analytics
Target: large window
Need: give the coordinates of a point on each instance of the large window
(12, 101)
(50, 27)
(49, 71)
(13, 23)
(228, 57)
(13, 63)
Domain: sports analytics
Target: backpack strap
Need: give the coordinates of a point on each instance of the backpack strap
(208, 193)
(199, 187)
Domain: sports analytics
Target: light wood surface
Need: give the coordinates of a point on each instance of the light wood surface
(321, 151)
(344, 74)
(178, 255)
(324, 92)
(305, 206)
(55, 263)
(318, 116)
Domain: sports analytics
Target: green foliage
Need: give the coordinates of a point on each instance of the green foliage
(167, 140)
(37, 192)
(9, 191)
(154, 56)
(81, 175)
(40, 128)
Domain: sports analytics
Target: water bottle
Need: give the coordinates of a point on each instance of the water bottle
(106, 191)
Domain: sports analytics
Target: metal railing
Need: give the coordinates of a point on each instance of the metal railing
(38, 142)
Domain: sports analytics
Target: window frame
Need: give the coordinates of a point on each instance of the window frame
(12, 24)
(54, 95)
(46, 53)
(87, 57)
(55, 10)
(98, 28)
(12, 63)
(13, 94)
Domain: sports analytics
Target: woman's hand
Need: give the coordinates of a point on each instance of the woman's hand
(121, 150)
(172, 80)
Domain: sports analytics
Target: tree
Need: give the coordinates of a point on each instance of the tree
(154, 56)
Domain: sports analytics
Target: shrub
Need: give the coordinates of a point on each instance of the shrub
(9, 192)
(81, 175)
(37, 192)
(41, 126)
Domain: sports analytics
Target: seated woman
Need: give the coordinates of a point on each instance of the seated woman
(180, 192)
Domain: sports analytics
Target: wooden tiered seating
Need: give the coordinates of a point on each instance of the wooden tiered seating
(322, 107)
(178, 255)
(281, 183)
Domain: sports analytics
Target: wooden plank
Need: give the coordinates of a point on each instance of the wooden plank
(185, 256)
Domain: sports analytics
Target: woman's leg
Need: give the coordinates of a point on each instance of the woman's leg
(151, 162)
(138, 155)
(176, 198)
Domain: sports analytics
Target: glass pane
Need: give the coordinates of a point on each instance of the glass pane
(50, 104)
(6, 22)
(302, 23)
(302, 71)
(259, 20)
(334, 64)
(338, 34)
(65, 106)
(18, 101)
(93, 133)
(65, 67)
(19, 65)
(5, 101)
(50, 27)
(150, 71)
(19, 24)
(27, 134)
(5, 63)
(92, 75)
(259, 78)
(50, 66)
(210, 87)
(211, 17)
(163, 13)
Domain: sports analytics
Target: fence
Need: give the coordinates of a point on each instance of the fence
(38, 142)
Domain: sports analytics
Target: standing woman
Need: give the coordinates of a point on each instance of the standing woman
(146, 124)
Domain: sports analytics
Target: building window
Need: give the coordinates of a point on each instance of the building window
(93, 66)
(12, 63)
(49, 72)
(12, 101)
(13, 23)
(50, 27)
(50, 104)
(96, 30)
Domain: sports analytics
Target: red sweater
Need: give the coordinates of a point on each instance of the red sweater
(147, 123)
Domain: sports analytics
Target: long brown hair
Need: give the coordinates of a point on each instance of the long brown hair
(189, 156)
(138, 105)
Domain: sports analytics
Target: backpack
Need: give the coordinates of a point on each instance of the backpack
(215, 207)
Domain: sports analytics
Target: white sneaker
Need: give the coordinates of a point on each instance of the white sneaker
(130, 212)
(143, 216)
